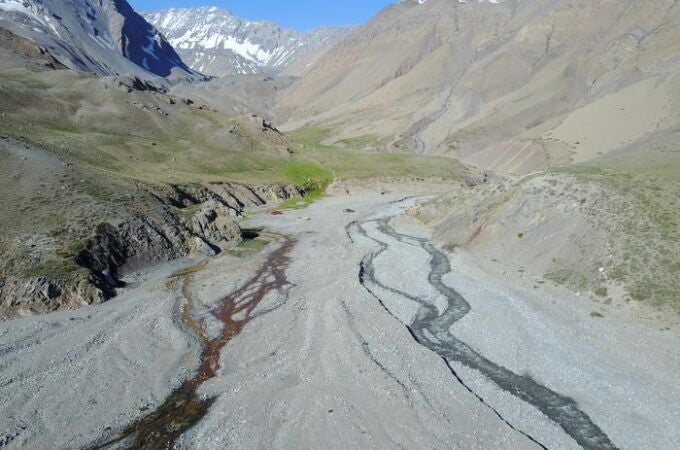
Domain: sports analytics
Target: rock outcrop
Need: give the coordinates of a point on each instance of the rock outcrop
(44, 294)
(193, 220)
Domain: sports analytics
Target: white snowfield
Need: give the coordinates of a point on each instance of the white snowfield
(213, 40)
(20, 6)
(333, 363)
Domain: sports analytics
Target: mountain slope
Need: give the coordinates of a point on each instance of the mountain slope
(100, 172)
(105, 37)
(215, 42)
(512, 86)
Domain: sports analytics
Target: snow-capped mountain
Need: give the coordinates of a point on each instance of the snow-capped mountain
(102, 36)
(215, 42)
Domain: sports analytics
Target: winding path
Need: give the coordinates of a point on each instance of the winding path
(432, 329)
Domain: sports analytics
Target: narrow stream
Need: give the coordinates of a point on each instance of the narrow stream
(433, 330)
(160, 429)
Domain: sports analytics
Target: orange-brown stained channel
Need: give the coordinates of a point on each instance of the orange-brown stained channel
(183, 409)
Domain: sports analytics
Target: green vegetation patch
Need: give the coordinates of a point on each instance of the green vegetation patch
(601, 291)
(351, 163)
(248, 247)
(308, 174)
(301, 203)
(364, 141)
(567, 278)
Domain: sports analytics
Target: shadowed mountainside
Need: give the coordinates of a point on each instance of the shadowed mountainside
(106, 37)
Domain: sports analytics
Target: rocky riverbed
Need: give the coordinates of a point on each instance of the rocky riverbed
(345, 353)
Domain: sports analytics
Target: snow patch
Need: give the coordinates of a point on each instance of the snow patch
(19, 6)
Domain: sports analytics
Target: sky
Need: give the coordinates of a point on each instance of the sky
(300, 14)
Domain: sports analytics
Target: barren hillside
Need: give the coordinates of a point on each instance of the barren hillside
(512, 86)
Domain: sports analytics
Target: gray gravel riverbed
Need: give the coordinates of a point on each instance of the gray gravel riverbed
(328, 366)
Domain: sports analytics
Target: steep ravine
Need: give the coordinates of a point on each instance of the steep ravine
(188, 220)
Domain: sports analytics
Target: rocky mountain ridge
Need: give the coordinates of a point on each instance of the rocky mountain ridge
(215, 42)
(105, 37)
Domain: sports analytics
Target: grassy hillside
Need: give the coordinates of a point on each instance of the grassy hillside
(79, 150)
(94, 122)
(146, 135)
(355, 163)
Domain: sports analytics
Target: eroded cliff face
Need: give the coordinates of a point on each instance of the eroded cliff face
(193, 220)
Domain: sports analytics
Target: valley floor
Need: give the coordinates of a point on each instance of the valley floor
(367, 341)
